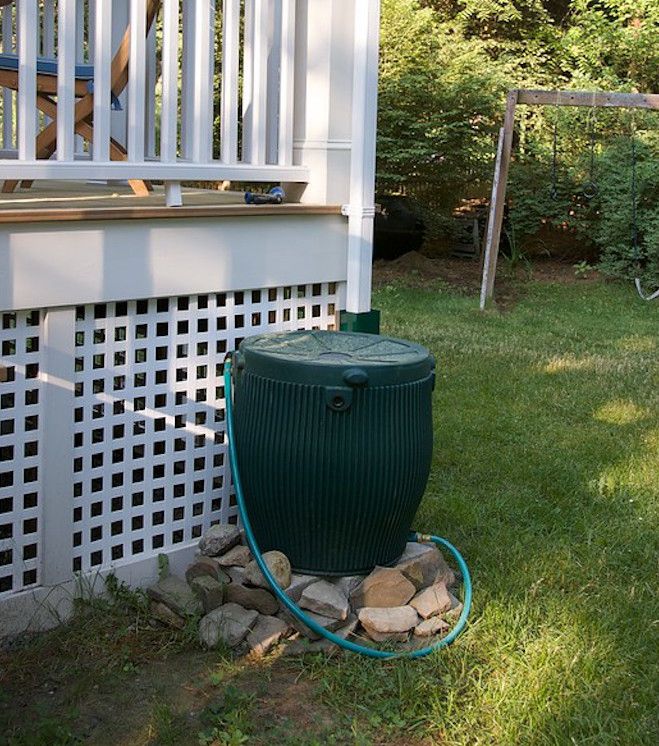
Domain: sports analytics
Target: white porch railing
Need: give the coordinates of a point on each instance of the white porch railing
(209, 92)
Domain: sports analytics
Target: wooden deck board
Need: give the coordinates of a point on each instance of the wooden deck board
(49, 201)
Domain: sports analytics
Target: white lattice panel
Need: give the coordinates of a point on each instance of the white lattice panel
(149, 460)
(20, 466)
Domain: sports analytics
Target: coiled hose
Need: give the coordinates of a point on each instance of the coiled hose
(294, 608)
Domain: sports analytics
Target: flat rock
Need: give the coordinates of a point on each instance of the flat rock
(176, 594)
(331, 625)
(347, 583)
(416, 643)
(252, 598)
(433, 626)
(205, 566)
(278, 565)
(446, 575)
(424, 564)
(219, 539)
(387, 636)
(209, 591)
(236, 574)
(267, 632)
(432, 601)
(348, 629)
(388, 621)
(237, 556)
(166, 616)
(456, 609)
(229, 623)
(385, 587)
(316, 644)
(326, 599)
(298, 584)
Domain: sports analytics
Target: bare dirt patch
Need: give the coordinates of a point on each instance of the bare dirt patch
(428, 269)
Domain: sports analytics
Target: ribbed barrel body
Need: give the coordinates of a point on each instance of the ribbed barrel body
(336, 491)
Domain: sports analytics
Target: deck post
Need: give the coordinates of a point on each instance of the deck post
(336, 59)
(361, 207)
(322, 113)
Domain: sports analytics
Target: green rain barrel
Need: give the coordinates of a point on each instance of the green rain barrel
(334, 439)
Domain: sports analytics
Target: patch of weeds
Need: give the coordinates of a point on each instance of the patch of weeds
(45, 732)
(163, 566)
(216, 678)
(167, 727)
(125, 597)
(582, 269)
(288, 734)
(228, 723)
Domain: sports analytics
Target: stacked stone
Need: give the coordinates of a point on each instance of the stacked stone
(409, 604)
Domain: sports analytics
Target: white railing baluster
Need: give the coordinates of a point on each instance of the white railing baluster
(136, 80)
(7, 95)
(102, 60)
(27, 79)
(272, 92)
(229, 94)
(170, 47)
(286, 83)
(91, 29)
(118, 120)
(187, 78)
(66, 60)
(48, 38)
(259, 81)
(248, 81)
(80, 58)
(151, 72)
(80, 31)
(202, 147)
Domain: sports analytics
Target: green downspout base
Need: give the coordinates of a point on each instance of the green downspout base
(367, 322)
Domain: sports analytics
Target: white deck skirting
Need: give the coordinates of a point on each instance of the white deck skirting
(112, 439)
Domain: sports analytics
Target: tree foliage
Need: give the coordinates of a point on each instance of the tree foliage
(445, 67)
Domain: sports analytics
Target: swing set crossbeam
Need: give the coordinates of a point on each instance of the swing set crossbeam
(529, 97)
(590, 99)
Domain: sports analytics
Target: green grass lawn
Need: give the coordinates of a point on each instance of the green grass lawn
(546, 476)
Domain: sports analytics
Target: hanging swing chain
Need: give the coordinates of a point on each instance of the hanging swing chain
(636, 251)
(592, 147)
(636, 254)
(554, 158)
(590, 188)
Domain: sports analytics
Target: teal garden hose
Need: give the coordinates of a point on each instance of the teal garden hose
(288, 603)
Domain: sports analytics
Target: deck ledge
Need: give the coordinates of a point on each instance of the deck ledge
(49, 215)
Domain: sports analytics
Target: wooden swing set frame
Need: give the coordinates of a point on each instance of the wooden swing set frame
(590, 99)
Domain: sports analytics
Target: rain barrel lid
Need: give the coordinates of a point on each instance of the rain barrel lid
(335, 358)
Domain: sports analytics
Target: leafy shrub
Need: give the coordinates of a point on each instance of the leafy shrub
(613, 228)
